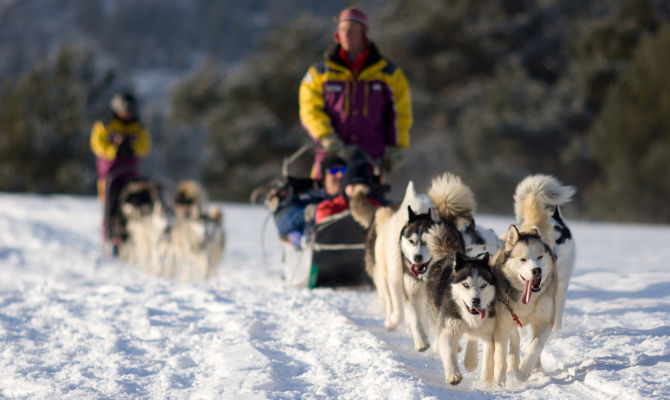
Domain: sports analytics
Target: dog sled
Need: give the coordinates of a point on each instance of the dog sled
(331, 253)
(179, 239)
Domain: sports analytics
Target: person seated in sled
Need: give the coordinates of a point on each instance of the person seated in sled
(357, 177)
(118, 142)
(356, 97)
(292, 215)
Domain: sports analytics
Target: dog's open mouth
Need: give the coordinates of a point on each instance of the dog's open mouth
(530, 286)
(477, 311)
(418, 269)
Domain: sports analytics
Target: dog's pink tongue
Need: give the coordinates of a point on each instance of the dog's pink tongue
(482, 312)
(525, 296)
(415, 270)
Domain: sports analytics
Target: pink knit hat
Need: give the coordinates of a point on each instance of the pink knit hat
(354, 14)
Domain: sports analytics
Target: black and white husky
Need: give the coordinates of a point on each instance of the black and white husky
(462, 291)
(416, 259)
(146, 223)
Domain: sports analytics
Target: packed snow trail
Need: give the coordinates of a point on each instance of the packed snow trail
(76, 325)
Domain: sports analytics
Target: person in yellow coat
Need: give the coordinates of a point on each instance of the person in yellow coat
(118, 142)
(356, 98)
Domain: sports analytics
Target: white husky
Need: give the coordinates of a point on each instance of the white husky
(532, 284)
(197, 237)
(387, 269)
(551, 194)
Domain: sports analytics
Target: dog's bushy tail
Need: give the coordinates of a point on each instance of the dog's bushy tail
(452, 199)
(444, 239)
(549, 192)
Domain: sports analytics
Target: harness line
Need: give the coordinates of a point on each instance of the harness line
(511, 310)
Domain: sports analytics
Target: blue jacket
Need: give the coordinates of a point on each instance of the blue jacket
(290, 215)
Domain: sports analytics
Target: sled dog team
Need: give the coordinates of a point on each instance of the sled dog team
(187, 245)
(433, 266)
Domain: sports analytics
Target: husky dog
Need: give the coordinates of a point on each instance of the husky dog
(527, 268)
(197, 237)
(146, 223)
(455, 201)
(385, 261)
(416, 258)
(462, 291)
(533, 281)
(551, 194)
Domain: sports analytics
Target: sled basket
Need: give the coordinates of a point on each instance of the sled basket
(332, 255)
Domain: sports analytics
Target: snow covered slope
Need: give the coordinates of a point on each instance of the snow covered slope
(74, 325)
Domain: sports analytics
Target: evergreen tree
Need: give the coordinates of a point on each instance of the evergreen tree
(44, 125)
(630, 139)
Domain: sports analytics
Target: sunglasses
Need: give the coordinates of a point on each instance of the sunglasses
(335, 170)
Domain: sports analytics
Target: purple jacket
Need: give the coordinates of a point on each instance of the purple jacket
(371, 110)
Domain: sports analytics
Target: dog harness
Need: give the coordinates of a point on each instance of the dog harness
(511, 310)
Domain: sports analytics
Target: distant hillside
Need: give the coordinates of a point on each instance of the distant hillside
(573, 88)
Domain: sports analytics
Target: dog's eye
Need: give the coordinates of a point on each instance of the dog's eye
(539, 257)
(411, 241)
(483, 286)
(524, 259)
(465, 285)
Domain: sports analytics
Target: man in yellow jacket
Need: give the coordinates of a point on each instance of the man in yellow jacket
(119, 142)
(356, 97)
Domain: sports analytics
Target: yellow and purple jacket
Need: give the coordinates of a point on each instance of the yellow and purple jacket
(104, 143)
(372, 109)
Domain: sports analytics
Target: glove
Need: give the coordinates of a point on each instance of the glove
(125, 149)
(393, 158)
(295, 238)
(332, 144)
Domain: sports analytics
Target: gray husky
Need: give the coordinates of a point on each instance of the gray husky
(462, 291)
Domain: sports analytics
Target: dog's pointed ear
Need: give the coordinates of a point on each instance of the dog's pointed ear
(410, 193)
(434, 215)
(486, 257)
(412, 215)
(512, 236)
(458, 261)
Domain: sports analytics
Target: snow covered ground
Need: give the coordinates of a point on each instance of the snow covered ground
(74, 325)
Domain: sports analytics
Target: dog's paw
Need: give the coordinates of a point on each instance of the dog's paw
(421, 347)
(392, 322)
(470, 365)
(455, 378)
(522, 375)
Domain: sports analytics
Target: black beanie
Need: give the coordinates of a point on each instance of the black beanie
(358, 172)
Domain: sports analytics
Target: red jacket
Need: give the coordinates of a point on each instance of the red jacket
(335, 205)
